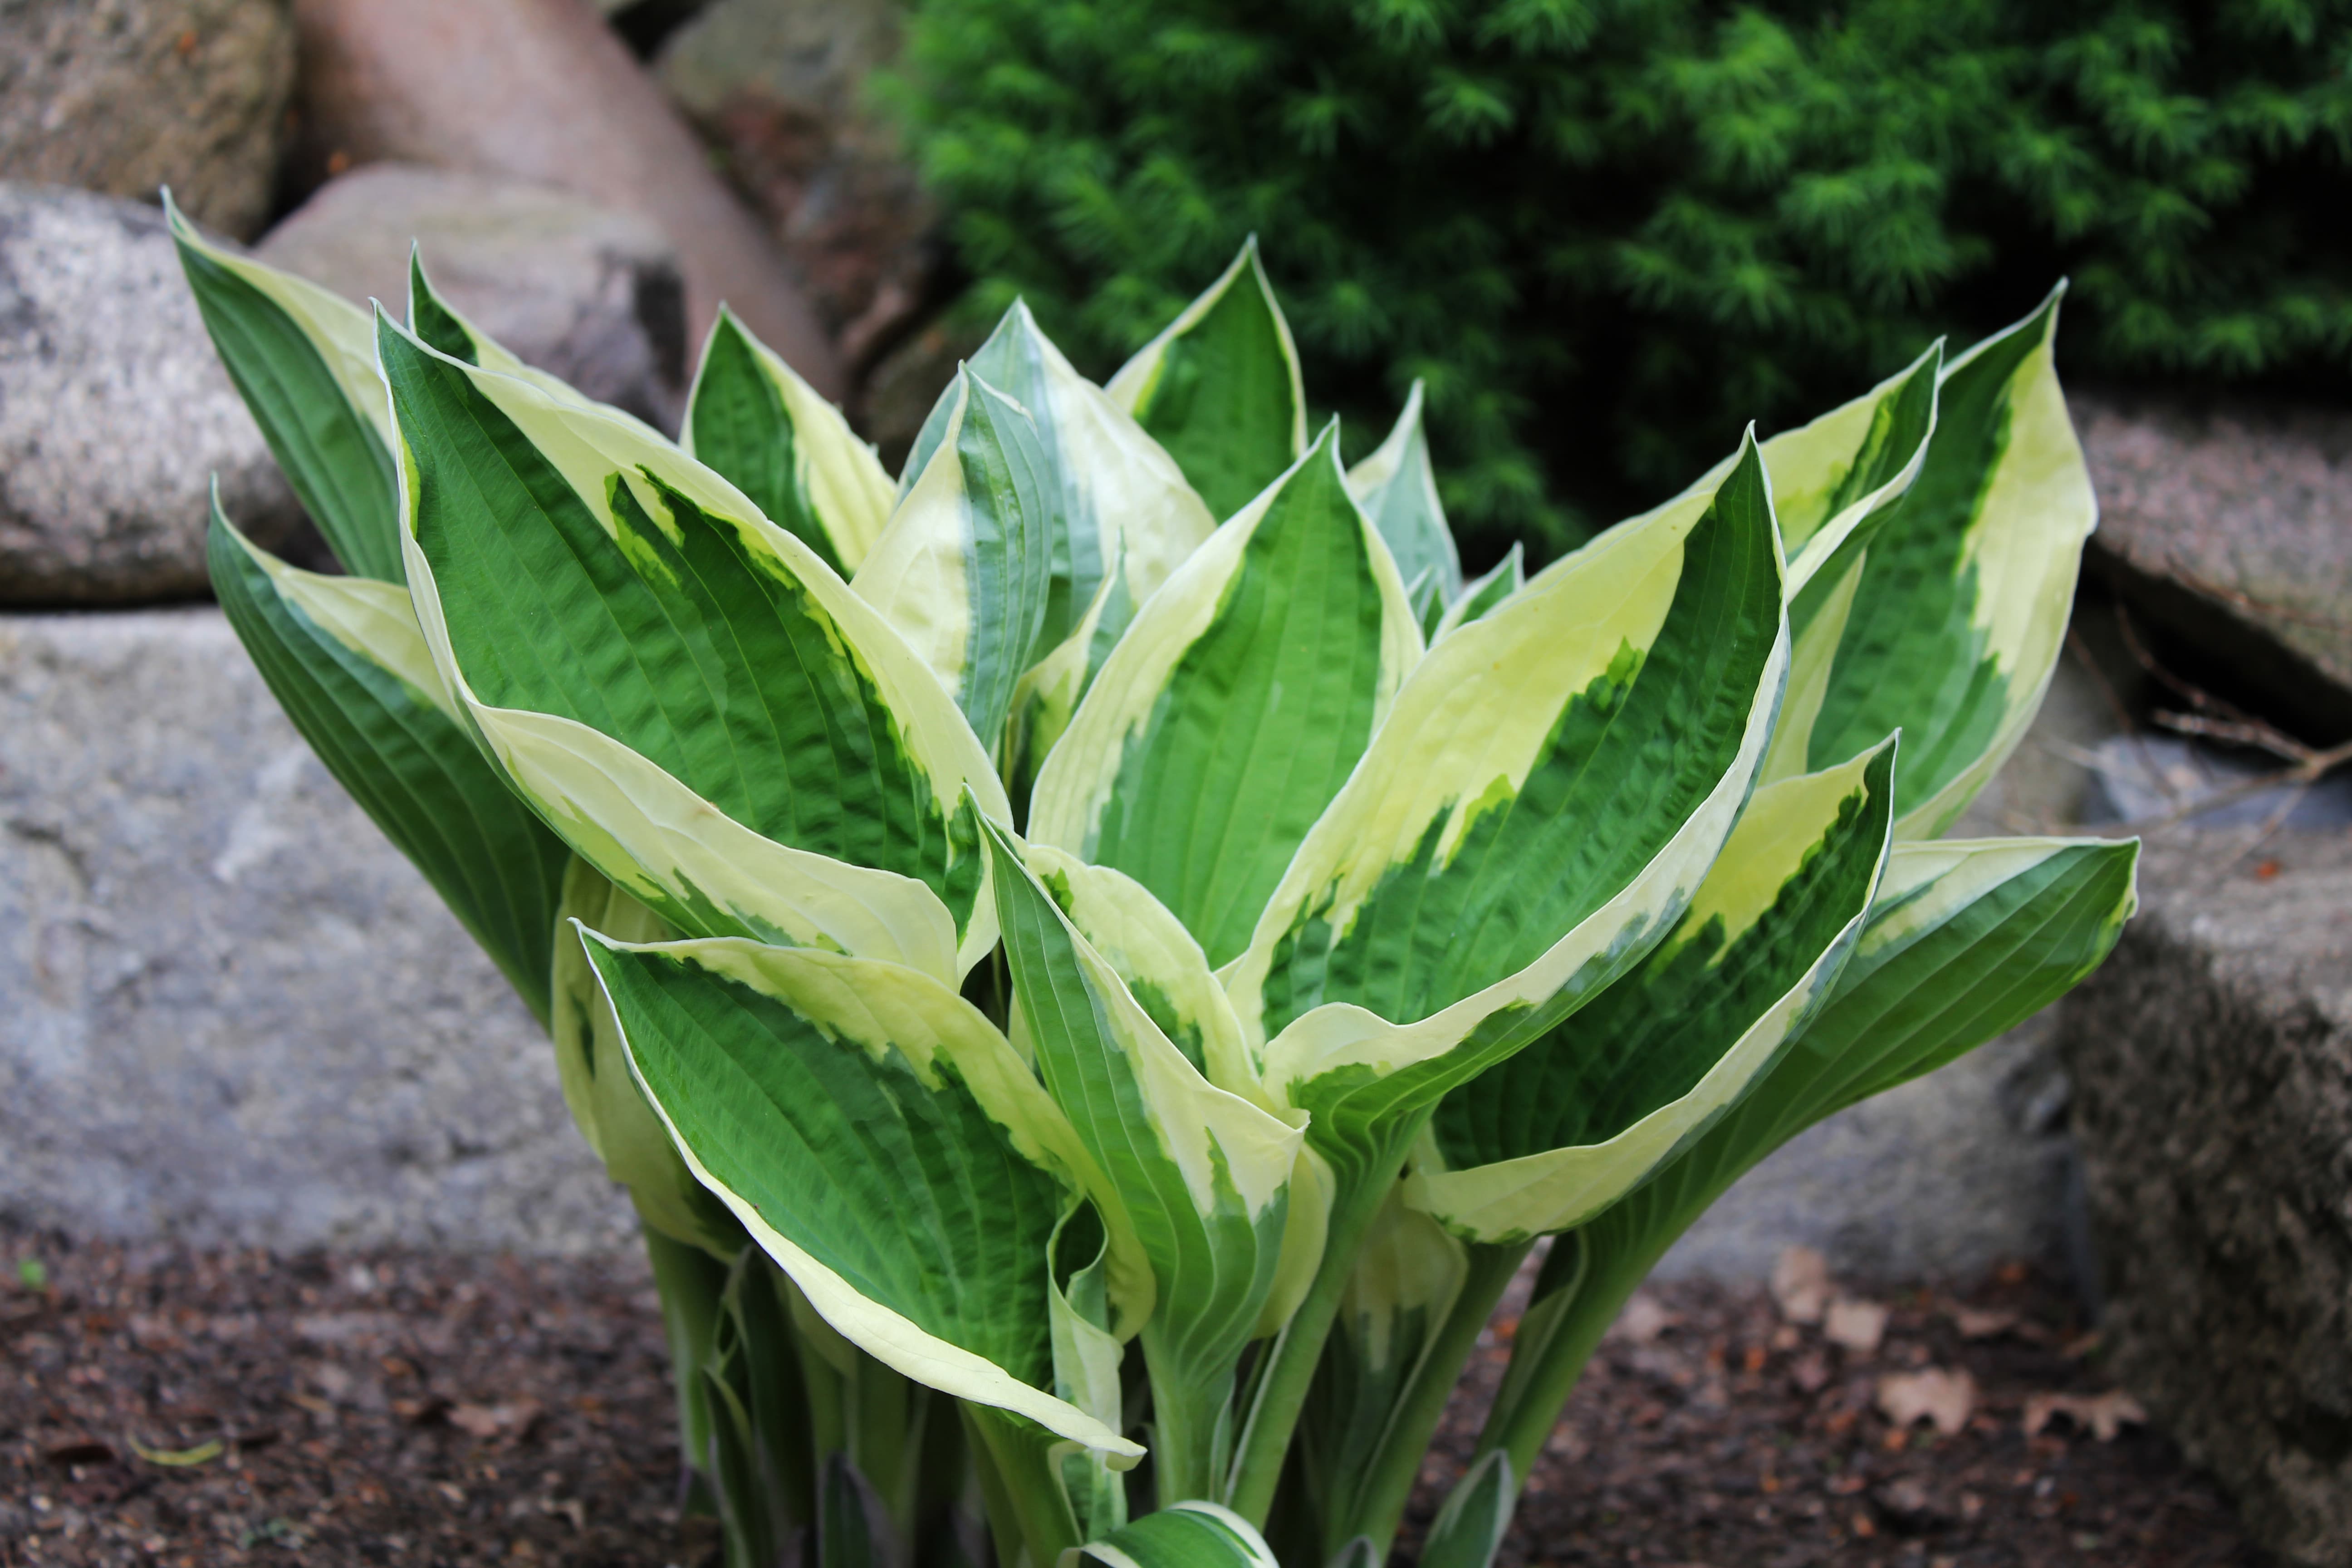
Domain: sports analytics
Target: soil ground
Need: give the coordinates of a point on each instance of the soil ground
(434, 1410)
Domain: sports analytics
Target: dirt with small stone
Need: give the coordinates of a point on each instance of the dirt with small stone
(166, 1406)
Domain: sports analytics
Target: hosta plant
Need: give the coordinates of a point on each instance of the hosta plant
(1097, 961)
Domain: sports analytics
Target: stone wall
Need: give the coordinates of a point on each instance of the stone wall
(233, 1011)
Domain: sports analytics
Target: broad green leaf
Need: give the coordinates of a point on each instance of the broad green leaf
(1553, 784)
(1230, 714)
(879, 1140)
(1469, 1528)
(1397, 488)
(1117, 487)
(1545, 1140)
(1852, 461)
(1187, 1535)
(304, 361)
(772, 435)
(1480, 597)
(439, 326)
(964, 568)
(604, 1100)
(684, 691)
(1165, 971)
(1964, 941)
(345, 659)
(1828, 601)
(1428, 605)
(1220, 388)
(1964, 595)
(1199, 1176)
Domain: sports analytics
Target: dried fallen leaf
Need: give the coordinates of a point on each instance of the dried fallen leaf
(1800, 1284)
(1812, 1371)
(1983, 1322)
(2101, 1414)
(1946, 1398)
(1856, 1325)
(1643, 1318)
(484, 1422)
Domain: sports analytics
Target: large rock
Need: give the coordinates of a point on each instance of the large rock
(778, 86)
(2212, 1068)
(114, 411)
(235, 1014)
(589, 293)
(123, 96)
(2228, 530)
(543, 91)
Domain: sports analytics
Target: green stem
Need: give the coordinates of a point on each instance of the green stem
(1022, 1485)
(1387, 1483)
(1298, 1348)
(1536, 1390)
(691, 1284)
(1189, 1450)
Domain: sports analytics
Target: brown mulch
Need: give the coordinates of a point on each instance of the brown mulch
(405, 1408)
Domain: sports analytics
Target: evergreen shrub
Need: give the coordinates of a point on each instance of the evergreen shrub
(1607, 232)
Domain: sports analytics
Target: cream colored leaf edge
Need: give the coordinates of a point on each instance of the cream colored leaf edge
(1558, 1189)
(857, 989)
(370, 619)
(842, 477)
(1407, 1261)
(591, 785)
(1213, 1136)
(1809, 669)
(2026, 545)
(340, 331)
(1929, 881)
(1250, 1550)
(1134, 380)
(1459, 611)
(1074, 785)
(1466, 729)
(1380, 470)
(1810, 461)
(916, 577)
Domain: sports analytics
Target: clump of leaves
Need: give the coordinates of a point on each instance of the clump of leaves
(1607, 235)
(1093, 1002)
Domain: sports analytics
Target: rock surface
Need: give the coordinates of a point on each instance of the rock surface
(2212, 1067)
(123, 96)
(543, 91)
(591, 294)
(778, 86)
(114, 411)
(2228, 531)
(235, 1014)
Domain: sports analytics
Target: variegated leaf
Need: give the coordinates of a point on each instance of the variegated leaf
(964, 568)
(1551, 786)
(753, 421)
(1086, 1361)
(304, 361)
(1187, 1535)
(1229, 715)
(1397, 488)
(1220, 388)
(1469, 1527)
(879, 1140)
(1962, 600)
(1547, 1140)
(682, 690)
(1964, 941)
(1119, 492)
(345, 659)
(1199, 1176)
(605, 1102)
(1480, 597)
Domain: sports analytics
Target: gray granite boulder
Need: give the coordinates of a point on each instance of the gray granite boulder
(234, 1013)
(2212, 1061)
(591, 294)
(114, 412)
(123, 96)
(2228, 532)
